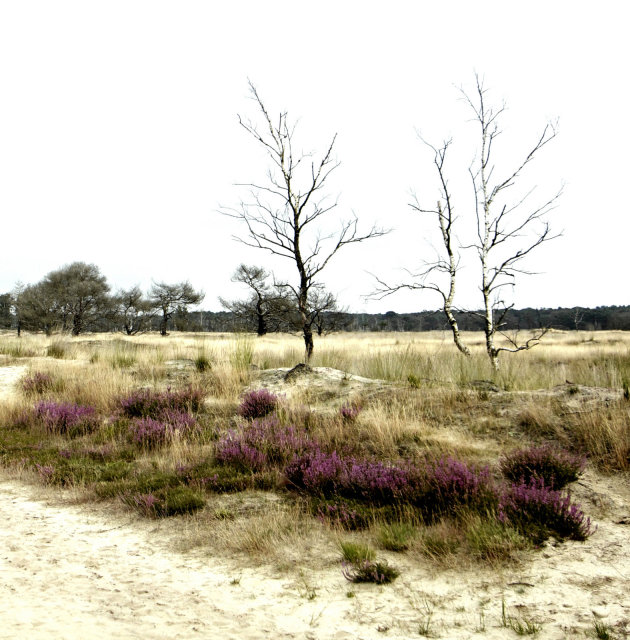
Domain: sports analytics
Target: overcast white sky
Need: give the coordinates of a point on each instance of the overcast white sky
(119, 137)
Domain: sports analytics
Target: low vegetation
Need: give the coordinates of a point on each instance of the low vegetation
(430, 463)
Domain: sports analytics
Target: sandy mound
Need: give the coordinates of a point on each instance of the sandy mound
(318, 384)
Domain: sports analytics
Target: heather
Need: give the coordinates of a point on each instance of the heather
(434, 471)
(38, 383)
(263, 443)
(539, 511)
(150, 433)
(65, 418)
(433, 488)
(167, 502)
(149, 403)
(556, 467)
(257, 404)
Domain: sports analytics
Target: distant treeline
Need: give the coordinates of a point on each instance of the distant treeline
(575, 318)
(181, 319)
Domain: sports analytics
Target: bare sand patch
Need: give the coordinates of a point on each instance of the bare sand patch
(73, 571)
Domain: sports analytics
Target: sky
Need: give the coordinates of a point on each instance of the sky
(120, 141)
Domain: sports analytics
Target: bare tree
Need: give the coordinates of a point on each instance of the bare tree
(506, 232)
(443, 264)
(324, 309)
(283, 212)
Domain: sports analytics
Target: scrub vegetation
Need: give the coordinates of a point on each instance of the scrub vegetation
(435, 459)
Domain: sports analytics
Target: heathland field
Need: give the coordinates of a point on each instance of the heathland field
(395, 489)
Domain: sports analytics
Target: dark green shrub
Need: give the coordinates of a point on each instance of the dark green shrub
(167, 502)
(369, 571)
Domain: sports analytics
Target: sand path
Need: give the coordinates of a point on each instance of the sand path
(71, 572)
(77, 571)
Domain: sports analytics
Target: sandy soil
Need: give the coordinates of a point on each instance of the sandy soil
(85, 570)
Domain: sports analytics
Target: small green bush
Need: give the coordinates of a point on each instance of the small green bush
(202, 362)
(490, 540)
(58, 350)
(368, 571)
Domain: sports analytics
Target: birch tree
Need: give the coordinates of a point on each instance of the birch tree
(430, 278)
(506, 231)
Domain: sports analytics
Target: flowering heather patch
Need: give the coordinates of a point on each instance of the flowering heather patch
(167, 502)
(318, 473)
(555, 467)
(327, 474)
(262, 443)
(148, 403)
(257, 404)
(62, 418)
(540, 511)
(150, 433)
(37, 384)
(379, 482)
(145, 503)
(448, 484)
(434, 488)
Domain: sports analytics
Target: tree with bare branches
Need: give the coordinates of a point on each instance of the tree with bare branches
(284, 215)
(443, 264)
(507, 231)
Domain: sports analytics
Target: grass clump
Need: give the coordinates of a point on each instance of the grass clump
(440, 541)
(356, 552)
(396, 536)
(602, 631)
(58, 350)
(492, 541)
(202, 362)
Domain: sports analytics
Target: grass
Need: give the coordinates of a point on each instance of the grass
(356, 552)
(602, 631)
